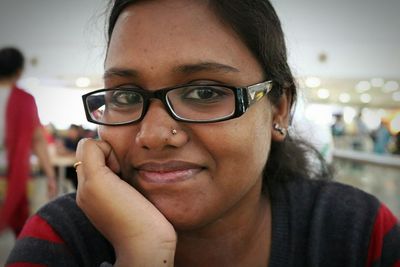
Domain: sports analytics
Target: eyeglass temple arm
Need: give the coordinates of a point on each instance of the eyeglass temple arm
(257, 91)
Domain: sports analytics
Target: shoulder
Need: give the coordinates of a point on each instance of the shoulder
(61, 231)
(22, 93)
(346, 210)
(384, 247)
(342, 207)
(20, 97)
(327, 219)
(330, 196)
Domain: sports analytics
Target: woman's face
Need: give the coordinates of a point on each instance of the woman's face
(206, 171)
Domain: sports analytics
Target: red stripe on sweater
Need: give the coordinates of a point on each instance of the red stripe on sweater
(384, 222)
(25, 264)
(38, 228)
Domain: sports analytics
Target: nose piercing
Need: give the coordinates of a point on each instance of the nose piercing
(174, 131)
(76, 164)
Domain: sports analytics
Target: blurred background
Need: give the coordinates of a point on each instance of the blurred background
(345, 55)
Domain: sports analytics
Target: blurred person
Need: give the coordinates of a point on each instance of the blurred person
(69, 142)
(382, 137)
(20, 134)
(67, 147)
(396, 150)
(339, 127)
(194, 165)
(361, 136)
(89, 133)
(50, 133)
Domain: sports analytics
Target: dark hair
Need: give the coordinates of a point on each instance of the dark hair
(11, 61)
(259, 27)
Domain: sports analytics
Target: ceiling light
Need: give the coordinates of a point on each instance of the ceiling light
(313, 82)
(344, 98)
(365, 98)
(377, 82)
(396, 96)
(363, 86)
(390, 86)
(82, 82)
(323, 93)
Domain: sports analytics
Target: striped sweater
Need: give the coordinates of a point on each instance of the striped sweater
(314, 223)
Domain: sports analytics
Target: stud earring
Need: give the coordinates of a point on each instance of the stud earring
(281, 130)
(174, 131)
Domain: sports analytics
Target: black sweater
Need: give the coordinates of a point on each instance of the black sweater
(314, 223)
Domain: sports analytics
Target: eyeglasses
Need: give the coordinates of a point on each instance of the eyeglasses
(197, 103)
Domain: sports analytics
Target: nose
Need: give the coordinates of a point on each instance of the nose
(159, 130)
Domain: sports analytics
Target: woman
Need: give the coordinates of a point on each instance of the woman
(194, 166)
(20, 134)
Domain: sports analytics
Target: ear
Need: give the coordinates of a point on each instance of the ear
(281, 117)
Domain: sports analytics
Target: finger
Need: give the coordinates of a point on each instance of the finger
(97, 156)
(111, 159)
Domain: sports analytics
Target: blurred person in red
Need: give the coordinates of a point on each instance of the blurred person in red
(20, 134)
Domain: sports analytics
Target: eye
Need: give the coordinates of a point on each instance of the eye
(205, 93)
(126, 98)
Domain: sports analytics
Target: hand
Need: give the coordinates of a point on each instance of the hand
(139, 233)
(51, 187)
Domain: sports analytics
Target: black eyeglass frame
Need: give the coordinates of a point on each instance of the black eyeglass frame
(244, 98)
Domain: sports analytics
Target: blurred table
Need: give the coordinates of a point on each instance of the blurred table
(373, 173)
(62, 162)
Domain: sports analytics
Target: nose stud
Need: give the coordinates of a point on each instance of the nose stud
(174, 131)
(76, 164)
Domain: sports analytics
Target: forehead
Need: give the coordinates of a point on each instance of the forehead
(176, 15)
(160, 25)
(160, 33)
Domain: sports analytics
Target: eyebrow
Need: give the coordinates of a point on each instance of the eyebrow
(120, 72)
(184, 69)
(204, 66)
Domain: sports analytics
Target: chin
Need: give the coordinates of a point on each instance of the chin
(182, 217)
(182, 224)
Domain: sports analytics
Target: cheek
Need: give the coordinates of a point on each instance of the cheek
(119, 138)
(240, 147)
(249, 148)
(252, 137)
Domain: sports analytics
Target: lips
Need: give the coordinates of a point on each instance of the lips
(168, 172)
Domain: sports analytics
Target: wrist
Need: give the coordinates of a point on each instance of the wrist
(146, 253)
